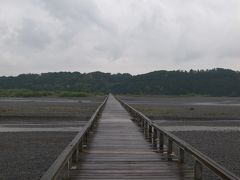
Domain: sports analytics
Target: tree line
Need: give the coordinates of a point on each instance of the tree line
(214, 82)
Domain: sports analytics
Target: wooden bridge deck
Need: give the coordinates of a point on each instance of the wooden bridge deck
(118, 150)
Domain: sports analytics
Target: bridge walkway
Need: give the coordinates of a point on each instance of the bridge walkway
(118, 150)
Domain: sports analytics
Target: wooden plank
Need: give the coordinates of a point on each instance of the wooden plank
(118, 150)
(202, 159)
(61, 166)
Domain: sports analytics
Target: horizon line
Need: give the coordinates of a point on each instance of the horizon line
(181, 70)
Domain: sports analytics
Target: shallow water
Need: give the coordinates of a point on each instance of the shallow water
(58, 129)
(200, 125)
(201, 128)
(42, 127)
(196, 102)
(214, 104)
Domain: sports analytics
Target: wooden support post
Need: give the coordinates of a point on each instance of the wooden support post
(136, 118)
(142, 123)
(181, 155)
(84, 142)
(198, 171)
(86, 139)
(66, 172)
(149, 133)
(145, 129)
(92, 128)
(154, 142)
(75, 155)
(161, 142)
(139, 121)
(170, 149)
(80, 146)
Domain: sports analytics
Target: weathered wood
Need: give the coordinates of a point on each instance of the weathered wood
(75, 155)
(198, 171)
(204, 160)
(149, 137)
(142, 124)
(145, 129)
(170, 149)
(161, 142)
(62, 165)
(181, 155)
(118, 150)
(155, 138)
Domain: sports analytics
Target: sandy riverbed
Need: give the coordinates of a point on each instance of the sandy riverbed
(34, 131)
(211, 124)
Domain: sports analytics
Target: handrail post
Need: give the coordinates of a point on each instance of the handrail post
(170, 149)
(161, 142)
(150, 133)
(142, 123)
(139, 122)
(198, 170)
(145, 129)
(86, 139)
(92, 127)
(154, 138)
(75, 155)
(181, 155)
(66, 174)
(135, 118)
(81, 146)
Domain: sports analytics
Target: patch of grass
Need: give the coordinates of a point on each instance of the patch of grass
(31, 93)
(72, 94)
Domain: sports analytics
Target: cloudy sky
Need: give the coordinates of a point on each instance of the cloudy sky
(134, 36)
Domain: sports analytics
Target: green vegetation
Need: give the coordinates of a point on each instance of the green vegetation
(31, 93)
(215, 82)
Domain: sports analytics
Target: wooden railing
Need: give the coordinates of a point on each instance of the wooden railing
(69, 157)
(158, 136)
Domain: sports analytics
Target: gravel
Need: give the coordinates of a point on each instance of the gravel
(27, 155)
(203, 122)
(223, 147)
(34, 131)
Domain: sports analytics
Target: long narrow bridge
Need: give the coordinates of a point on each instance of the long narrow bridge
(121, 143)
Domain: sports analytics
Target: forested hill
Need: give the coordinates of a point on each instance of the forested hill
(215, 82)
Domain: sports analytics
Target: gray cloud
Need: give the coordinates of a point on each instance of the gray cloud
(32, 35)
(133, 36)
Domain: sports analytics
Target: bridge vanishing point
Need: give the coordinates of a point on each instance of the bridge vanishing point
(119, 142)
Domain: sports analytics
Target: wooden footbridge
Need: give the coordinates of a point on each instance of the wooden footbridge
(119, 142)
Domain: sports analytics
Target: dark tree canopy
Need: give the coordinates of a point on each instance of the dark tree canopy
(215, 82)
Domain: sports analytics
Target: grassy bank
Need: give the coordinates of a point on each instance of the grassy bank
(31, 93)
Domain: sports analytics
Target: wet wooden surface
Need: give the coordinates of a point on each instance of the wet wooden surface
(118, 150)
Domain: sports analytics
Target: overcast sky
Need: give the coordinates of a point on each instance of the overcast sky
(134, 36)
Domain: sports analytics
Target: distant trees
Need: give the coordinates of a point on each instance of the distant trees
(215, 82)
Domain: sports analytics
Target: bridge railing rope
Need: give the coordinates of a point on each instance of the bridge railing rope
(160, 138)
(61, 167)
